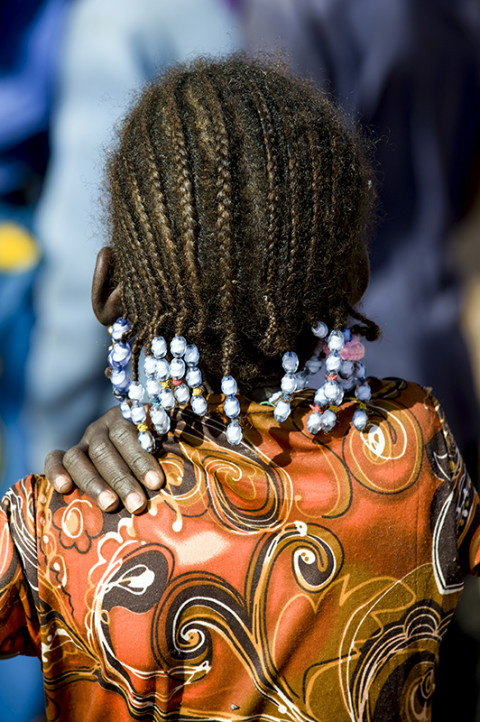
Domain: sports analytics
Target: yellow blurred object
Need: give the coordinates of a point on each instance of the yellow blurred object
(18, 249)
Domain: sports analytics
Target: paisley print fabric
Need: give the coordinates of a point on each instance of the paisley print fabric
(290, 578)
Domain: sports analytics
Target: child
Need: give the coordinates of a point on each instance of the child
(307, 552)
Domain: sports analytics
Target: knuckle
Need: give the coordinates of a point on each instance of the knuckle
(99, 449)
(53, 457)
(123, 485)
(72, 456)
(89, 484)
(113, 414)
(121, 435)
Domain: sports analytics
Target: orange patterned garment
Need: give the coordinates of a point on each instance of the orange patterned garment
(289, 578)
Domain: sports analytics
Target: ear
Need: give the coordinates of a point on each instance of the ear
(106, 296)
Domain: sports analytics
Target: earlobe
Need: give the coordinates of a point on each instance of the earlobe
(106, 295)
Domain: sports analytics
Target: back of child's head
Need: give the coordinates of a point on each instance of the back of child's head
(239, 204)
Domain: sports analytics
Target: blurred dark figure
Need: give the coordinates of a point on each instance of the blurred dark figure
(410, 72)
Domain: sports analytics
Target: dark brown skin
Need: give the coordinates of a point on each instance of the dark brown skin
(108, 464)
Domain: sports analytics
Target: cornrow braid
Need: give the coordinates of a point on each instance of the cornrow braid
(239, 202)
(296, 191)
(223, 225)
(186, 206)
(273, 203)
(165, 249)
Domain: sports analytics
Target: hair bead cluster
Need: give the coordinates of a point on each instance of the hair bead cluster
(179, 380)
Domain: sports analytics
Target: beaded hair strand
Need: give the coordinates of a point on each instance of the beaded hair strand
(239, 202)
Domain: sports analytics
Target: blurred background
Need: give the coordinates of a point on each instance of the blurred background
(408, 72)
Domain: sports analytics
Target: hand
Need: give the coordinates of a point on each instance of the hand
(107, 464)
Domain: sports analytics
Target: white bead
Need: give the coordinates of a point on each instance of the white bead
(336, 341)
(288, 384)
(159, 347)
(313, 365)
(320, 398)
(332, 390)
(320, 330)
(177, 368)
(199, 405)
(360, 370)
(121, 354)
(282, 410)
(182, 393)
(329, 419)
(136, 392)
(234, 433)
(363, 392)
(346, 369)
(178, 345)
(150, 365)
(163, 428)
(167, 399)
(340, 396)
(229, 386)
(163, 369)
(120, 379)
(194, 377)
(360, 419)
(138, 414)
(333, 362)
(192, 355)
(301, 380)
(153, 387)
(314, 422)
(119, 328)
(348, 384)
(126, 410)
(231, 407)
(158, 415)
(290, 362)
(146, 441)
(274, 397)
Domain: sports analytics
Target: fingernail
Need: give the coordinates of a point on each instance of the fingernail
(62, 484)
(153, 480)
(134, 502)
(107, 500)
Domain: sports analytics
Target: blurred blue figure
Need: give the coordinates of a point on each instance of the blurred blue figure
(112, 48)
(28, 61)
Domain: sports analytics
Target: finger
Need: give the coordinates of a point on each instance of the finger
(56, 472)
(87, 478)
(115, 472)
(145, 467)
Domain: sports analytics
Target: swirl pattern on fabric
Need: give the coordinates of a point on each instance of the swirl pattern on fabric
(257, 579)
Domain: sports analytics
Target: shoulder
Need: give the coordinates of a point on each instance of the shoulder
(411, 398)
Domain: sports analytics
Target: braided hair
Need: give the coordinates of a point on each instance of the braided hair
(239, 201)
